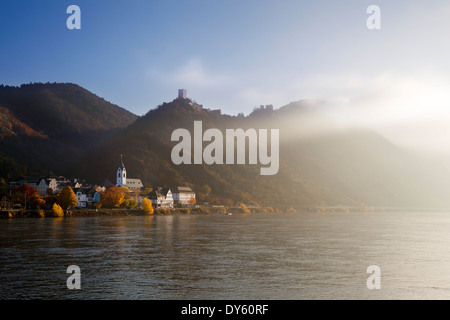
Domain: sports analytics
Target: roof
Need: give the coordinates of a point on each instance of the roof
(155, 194)
(73, 185)
(106, 183)
(98, 188)
(83, 190)
(160, 192)
(182, 190)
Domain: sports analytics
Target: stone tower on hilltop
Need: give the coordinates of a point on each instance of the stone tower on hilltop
(182, 93)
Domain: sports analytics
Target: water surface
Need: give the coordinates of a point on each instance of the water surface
(253, 256)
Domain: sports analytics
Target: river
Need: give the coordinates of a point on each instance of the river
(243, 256)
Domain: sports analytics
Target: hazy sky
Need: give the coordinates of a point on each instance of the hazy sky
(235, 55)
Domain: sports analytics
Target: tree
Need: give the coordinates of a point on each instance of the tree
(19, 198)
(50, 200)
(244, 208)
(126, 192)
(23, 194)
(129, 203)
(37, 202)
(192, 201)
(25, 189)
(3, 186)
(41, 213)
(148, 208)
(112, 197)
(57, 210)
(49, 192)
(146, 191)
(135, 193)
(67, 199)
(205, 189)
(204, 192)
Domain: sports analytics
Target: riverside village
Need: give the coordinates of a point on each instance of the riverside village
(127, 193)
(59, 196)
(42, 193)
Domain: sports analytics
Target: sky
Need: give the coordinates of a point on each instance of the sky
(236, 55)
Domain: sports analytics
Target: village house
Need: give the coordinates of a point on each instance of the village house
(87, 197)
(5, 202)
(42, 184)
(96, 196)
(31, 181)
(45, 184)
(161, 197)
(82, 197)
(106, 184)
(182, 196)
(75, 184)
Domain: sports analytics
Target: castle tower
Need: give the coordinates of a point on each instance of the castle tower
(121, 174)
(182, 93)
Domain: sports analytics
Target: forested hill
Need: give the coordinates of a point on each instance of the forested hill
(320, 163)
(66, 130)
(45, 126)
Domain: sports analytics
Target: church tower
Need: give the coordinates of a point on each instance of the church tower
(121, 174)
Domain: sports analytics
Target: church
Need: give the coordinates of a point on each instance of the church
(124, 181)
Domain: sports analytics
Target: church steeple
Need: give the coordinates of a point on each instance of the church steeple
(121, 174)
(121, 162)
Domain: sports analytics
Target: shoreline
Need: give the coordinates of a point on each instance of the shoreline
(48, 213)
(201, 210)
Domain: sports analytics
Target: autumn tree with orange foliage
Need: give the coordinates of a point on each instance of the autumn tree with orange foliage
(37, 202)
(112, 197)
(244, 208)
(57, 210)
(148, 208)
(67, 198)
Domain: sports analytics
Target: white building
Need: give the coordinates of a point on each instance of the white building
(182, 195)
(45, 184)
(87, 197)
(134, 184)
(161, 197)
(82, 198)
(122, 179)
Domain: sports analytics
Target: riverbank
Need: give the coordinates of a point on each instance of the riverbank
(92, 213)
(135, 212)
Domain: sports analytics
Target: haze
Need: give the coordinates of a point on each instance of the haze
(236, 55)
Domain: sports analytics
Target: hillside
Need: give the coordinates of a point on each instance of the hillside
(65, 129)
(45, 126)
(319, 162)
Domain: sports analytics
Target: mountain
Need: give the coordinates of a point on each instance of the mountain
(320, 163)
(68, 130)
(43, 127)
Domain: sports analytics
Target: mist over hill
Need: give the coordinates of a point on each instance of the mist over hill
(320, 162)
(66, 129)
